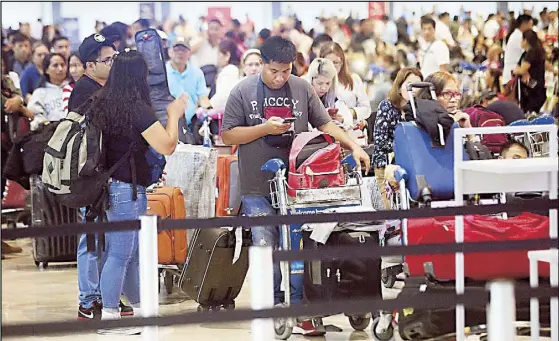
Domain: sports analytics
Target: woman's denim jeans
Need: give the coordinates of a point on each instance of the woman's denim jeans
(121, 270)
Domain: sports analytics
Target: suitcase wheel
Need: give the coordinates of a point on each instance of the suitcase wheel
(381, 335)
(41, 265)
(230, 306)
(387, 279)
(203, 308)
(359, 322)
(282, 329)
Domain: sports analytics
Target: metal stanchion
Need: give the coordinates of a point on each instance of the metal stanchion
(149, 279)
(262, 290)
(534, 302)
(501, 313)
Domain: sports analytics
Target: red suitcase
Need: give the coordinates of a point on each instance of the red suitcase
(480, 265)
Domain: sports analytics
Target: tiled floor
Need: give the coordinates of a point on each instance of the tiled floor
(33, 295)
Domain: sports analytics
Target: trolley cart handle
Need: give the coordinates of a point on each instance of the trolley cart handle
(419, 85)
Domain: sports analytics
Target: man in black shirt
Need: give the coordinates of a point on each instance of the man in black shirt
(97, 53)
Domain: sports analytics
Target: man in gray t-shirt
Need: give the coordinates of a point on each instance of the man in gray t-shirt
(253, 121)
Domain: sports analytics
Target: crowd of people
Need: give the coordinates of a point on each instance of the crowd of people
(321, 76)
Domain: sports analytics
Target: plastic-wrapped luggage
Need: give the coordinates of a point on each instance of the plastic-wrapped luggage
(477, 265)
(45, 210)
(193, 169)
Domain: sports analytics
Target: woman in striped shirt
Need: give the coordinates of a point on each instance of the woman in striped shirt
(76, 71)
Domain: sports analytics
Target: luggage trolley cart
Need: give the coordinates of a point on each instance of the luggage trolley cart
(537, 142)
(309, 201)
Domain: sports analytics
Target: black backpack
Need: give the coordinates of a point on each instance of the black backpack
(478, 151)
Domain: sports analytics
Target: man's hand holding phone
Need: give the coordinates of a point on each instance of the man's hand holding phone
(278, 126)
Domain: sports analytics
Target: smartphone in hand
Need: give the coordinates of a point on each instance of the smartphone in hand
(333, 112)
(289, 120)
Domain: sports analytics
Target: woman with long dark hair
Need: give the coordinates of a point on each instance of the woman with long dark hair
(46, 101)
(122, 110)
(76, 70)
(228, 60)
(531, 70)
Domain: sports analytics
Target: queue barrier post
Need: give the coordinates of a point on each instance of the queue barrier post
(262, 290)
(149, 279)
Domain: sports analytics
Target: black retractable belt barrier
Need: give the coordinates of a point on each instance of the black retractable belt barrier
(68, 229)
(469, 299)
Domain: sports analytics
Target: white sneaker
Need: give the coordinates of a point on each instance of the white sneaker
(108, 316)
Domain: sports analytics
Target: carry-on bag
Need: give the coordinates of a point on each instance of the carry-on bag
(214, 272)
(168, 203)
(45, 210)
(342, 279)
(228, 186)
(314, 162)
(477, 265)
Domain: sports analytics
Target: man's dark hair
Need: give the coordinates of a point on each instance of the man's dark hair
(522, 19)
(321, 38)
(279, 50)
(236, 23)
(59, 38)
(456, 18)
(443, 15)
(144, 23)
(425, 20)
(510, 143)
(264, 34)
(20, 38)
(385, 18)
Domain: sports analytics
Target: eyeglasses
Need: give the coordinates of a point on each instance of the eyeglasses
(107, 61)
(451, 94)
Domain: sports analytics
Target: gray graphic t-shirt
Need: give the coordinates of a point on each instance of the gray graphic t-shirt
(242, 110)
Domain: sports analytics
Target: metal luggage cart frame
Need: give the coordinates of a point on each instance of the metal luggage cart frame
(536, 141)
(346, 195)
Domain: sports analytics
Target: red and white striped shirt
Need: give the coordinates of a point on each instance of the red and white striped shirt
(66, 92)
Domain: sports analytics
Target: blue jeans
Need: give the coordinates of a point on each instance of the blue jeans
(258, 206)
(121, 271)
(88, 273)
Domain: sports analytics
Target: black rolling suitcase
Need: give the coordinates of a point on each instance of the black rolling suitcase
(46, 211)
(210, 277)
(344, 279)
(426, 324)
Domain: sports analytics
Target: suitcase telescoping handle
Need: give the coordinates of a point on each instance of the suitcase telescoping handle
(419, 85)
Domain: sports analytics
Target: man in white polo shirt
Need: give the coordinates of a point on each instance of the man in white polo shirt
(433, 54)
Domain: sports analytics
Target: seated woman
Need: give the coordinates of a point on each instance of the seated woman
(448, 96)
(389, 114)
(46, 101)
